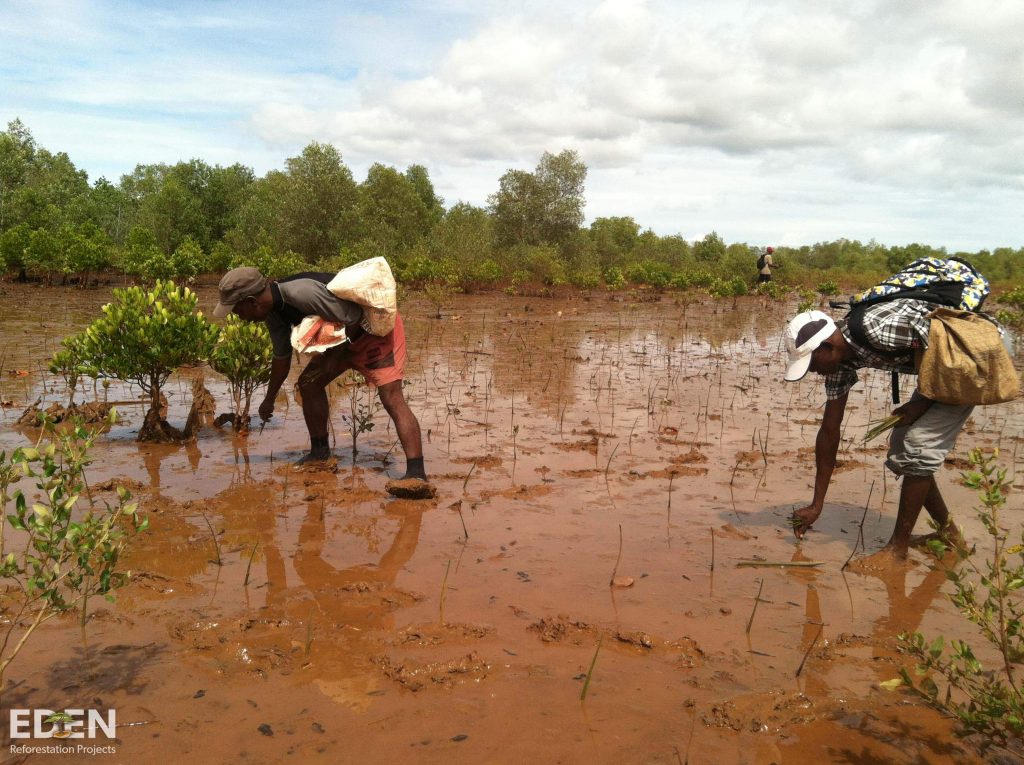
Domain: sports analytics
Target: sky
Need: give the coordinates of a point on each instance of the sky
(783, 122)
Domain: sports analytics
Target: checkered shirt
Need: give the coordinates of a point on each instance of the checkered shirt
(897, 325)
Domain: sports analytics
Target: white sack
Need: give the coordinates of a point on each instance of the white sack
(372, 285)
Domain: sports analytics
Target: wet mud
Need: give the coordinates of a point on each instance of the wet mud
(575, 444)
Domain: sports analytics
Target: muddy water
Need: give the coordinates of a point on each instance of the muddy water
(571, 440)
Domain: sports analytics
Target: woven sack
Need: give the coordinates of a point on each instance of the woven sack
(966, 362)
(372, 285)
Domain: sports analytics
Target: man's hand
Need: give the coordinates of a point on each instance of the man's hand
(803, 519)
(911, 411)
(266, 409)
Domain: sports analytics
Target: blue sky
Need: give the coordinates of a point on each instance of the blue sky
(778, 122)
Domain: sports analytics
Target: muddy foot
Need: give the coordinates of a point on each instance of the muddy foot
(317, 459)
(886, 559)
(411, 488)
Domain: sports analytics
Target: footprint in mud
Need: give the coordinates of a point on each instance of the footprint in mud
(416, 675)
(563, 629)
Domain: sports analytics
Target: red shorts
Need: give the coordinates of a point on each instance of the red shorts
(381, 360)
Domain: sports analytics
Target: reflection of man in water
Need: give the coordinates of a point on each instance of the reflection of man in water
(283, 304)
(926, 432)
(342, 598)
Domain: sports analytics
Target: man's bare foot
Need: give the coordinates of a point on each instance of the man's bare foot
(886, 559)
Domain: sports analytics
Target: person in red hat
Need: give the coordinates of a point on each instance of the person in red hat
(765, 264)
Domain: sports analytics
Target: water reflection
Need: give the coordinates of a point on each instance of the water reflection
(360, 597)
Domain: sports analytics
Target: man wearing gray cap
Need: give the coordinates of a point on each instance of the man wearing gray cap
(283, 304)
(892, 332)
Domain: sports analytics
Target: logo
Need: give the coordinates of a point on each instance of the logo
(66, 724)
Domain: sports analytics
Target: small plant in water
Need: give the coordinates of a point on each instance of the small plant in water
(142, 337)
(808, 299)
(360, 415)
(985, 701)
(243, 354)
(70, 364)
(54, 556)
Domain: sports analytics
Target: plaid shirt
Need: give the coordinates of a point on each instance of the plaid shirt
(897, 325)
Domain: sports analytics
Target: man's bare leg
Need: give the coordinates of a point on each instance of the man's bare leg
(316, 410)
(413, 485)
(406, 424)
(914, 492)
(947, 531)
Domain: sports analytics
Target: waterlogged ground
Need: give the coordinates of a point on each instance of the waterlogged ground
(570, 440)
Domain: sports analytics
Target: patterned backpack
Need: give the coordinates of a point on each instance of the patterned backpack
(949, 282)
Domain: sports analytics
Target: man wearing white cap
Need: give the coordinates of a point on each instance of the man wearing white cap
(893, 331)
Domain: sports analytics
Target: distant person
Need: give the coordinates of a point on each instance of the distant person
(283, 304)
(765, 264)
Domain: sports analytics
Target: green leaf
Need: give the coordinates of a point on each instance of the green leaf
(892, 685)
(929, 687)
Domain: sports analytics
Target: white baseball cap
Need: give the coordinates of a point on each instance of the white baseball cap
(803, 335)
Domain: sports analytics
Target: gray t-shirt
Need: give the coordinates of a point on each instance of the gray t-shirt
(303, 296)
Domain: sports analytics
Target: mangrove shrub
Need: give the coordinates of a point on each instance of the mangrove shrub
(142, 337)
(243, 354)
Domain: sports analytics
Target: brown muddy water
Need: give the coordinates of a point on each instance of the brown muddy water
(569, 439)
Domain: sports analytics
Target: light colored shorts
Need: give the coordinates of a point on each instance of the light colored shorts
(920, 448)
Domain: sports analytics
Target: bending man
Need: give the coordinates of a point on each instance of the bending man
(925, 434)
(282, 305)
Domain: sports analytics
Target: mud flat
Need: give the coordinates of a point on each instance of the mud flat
(460, 629)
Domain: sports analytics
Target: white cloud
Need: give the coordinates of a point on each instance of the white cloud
(680, 109)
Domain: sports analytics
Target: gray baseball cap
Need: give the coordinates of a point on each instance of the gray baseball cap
(235, 286)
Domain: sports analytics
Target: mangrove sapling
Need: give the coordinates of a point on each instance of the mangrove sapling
(444, 593)
(466, 481)
(309, 633)
(248, 567)
(809, 649)
(243, 354)
(987, 702)
(216, 543)
(860, 529)
(608, 464)
(61, 562)
(757, 600)
(360, 416)
(70, 364)
(590, 671)
(611, 582)
(142, 337)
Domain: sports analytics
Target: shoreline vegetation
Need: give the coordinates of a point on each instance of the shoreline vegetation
(191, 219)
